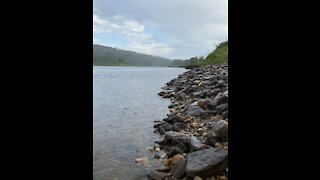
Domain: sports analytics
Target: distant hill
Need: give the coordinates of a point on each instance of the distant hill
(218, 56)
(108, 56)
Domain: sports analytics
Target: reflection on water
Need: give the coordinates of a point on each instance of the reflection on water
(125, 104)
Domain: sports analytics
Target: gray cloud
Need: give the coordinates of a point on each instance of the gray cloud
(185, 27)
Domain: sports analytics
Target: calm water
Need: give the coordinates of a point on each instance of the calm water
(125, 105)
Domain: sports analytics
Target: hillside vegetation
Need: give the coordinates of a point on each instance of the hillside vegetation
(218, 56)
(108, 56)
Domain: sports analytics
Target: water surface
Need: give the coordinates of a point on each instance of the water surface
(125, 104)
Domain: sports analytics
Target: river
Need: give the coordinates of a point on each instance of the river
(125, 104)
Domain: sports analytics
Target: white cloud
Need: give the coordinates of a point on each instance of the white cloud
(187, 27)
(138, 39)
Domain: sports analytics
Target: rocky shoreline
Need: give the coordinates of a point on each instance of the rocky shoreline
(194, 136)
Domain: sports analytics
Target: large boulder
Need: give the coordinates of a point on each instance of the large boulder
(207, 162)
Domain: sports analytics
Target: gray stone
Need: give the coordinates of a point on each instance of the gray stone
(156, 175)
(181, 95)
(194, 111)
(220, 128)
(179, 169)
(225, 115)
(197, 94)
(195, 143)
(222, 107)
(207, 162)
(211, 140)
(211, 104)
(173, 151)
(177, 126)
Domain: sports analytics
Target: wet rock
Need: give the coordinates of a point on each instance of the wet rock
(177, 126)
(173, 151)
(194, 111)
(172, 118)
(207, 162)
(220, 128)
(142, 161)
(162, 93)
(179, 169)
(156, 175)
(182, 146)
(165, 127)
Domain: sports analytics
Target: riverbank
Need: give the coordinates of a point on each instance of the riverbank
(194, 136)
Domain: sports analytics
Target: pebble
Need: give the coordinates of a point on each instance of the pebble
(197, 178)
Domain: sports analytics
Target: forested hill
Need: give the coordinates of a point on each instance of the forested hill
(108, 56)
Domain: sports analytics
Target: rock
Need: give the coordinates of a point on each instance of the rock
(202, 104)
(196, 82)
(220, 98)
(157, 149)
(180, 95)
(165, 127)
(162, 93)
(173, 160)
(194, 111)
(195, 143)
(172, 105)
(195, 125)
(177, 126)
(173, 151)
(197, 94)
(211, 141)
(193, 104)
(162, 156)
(225, 115)
(220, 128)
(156, 156)
(211, 112)
(222, 107)
(207, 162)
(197, 178)
(155, 175)
(172, 118)
(211, 104)
(179, 169)
(142, 161)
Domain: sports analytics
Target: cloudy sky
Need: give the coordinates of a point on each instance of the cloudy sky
(168, 28)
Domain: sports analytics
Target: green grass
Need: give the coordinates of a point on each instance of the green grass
(218, 56)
